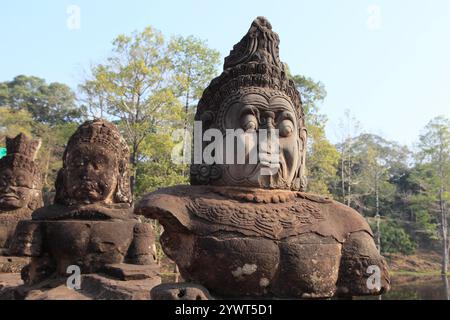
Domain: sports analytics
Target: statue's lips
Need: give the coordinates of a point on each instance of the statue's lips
(268, 164)
(89, 188)
(267, 158)
(268, 161)
(8, 197)
(254, 170)
(89, 191)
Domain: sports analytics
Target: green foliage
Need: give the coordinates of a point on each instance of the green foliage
(395, 239)
(433, 170)
(374, 169)
(322, 157)
(154, 175)
(194, 65)
(433, 177)
(158, 170)
(12, 122)
(321, 162)
(52, 104)
(313, 94)
(422, 203)
(371, 164)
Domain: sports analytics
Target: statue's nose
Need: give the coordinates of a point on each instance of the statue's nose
(268, 140)
(268, 120)
(88, 169)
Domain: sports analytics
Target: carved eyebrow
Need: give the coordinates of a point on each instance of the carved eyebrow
(286, 115)
(282, 107)
(278, 98)
(249, 109)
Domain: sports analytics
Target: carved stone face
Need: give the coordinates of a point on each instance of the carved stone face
(260, 115)
(15, 188)
(91, 174)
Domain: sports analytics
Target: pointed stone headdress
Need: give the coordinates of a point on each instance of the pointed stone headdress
(253, 62)
(21, 153)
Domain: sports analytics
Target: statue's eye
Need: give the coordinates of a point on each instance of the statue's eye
(286, 128)
(249, 122)
(76, 162)
(97, 165)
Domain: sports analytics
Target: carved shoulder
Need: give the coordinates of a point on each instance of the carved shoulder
(340, 221)
(168, 205)
(353, 220)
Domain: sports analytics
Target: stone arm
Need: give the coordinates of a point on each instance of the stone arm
(27, 240)
(142, 247)
(363, 271)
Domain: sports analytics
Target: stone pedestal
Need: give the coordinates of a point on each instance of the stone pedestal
(10, 264)
(114, 282)
(91, 245)
(180, 291)
(8, 223)
(8, 283)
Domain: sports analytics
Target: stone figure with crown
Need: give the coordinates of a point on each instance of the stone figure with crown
(91, 223)
(238, 233)
(20, 186)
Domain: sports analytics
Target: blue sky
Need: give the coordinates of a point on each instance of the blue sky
(388, 61)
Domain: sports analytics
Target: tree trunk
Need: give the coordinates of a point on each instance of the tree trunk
(47, 165)
(446, 287)
(444, 231)
(349, 187)
(378, 213)
(177, 273)
(186, 109)
(343, 174)
(133, 161)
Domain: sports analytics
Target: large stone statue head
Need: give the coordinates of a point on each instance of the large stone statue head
(20, 178)
(95, 167)
(254, 94)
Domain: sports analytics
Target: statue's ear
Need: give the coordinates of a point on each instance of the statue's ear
(300, 180)
(36, 200)
(61, 193)
(304, 138)
(123, 191)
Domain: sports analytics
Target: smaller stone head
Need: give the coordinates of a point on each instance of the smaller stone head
(95, 166)
(20, 178)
